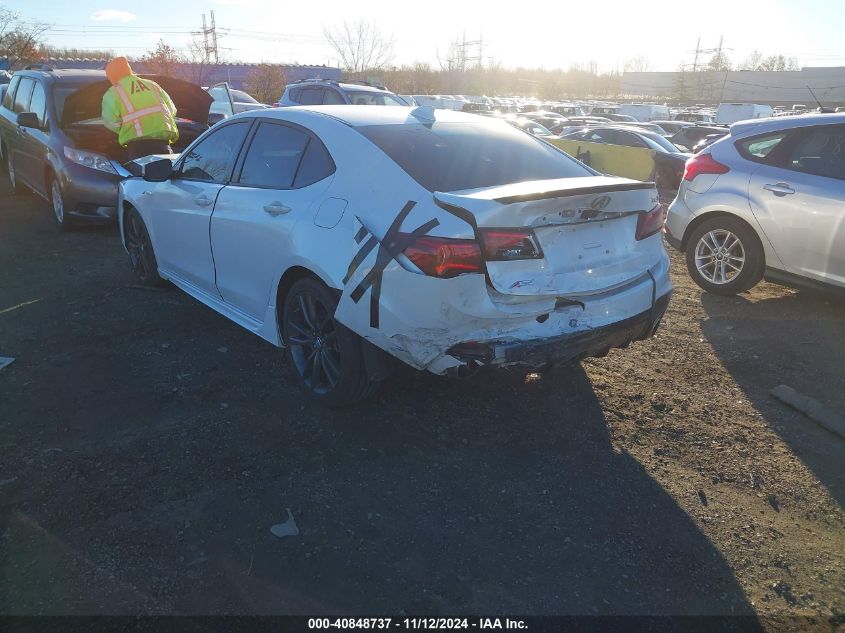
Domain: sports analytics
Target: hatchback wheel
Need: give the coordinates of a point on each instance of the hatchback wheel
(140, 248)
(724, 256)
(326, 356)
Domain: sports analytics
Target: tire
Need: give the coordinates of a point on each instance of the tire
(725, 256)
(57, 204)
(16, 186)
(326, 356)
(140, 248)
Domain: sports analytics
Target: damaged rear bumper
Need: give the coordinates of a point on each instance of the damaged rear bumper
(566, 348)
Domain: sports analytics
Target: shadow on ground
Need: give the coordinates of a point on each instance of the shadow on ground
(797, 339)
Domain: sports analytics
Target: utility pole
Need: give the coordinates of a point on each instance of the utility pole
(214, 37)
(209, 39)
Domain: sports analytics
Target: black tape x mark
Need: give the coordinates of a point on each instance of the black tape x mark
(393, 243)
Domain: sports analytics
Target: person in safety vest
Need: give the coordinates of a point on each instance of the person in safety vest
(138, 111)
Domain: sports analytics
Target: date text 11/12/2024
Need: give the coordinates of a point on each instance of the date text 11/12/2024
(493, 624)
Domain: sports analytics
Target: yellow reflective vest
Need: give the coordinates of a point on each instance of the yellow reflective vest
(138, 108)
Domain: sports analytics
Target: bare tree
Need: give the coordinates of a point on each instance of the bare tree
(778, 62)
(266, 82)
(198, 68)
(19, 40)
(638, 64)
(719, 62)
(752, 62)
(163, 60)
(360, 45)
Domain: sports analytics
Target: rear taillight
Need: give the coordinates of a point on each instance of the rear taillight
(509, 244)
(703, 164)
(650, 223)
(445, 257)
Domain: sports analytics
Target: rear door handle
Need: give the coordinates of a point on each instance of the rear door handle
(203, 201)
(276, 209)
(779, 189)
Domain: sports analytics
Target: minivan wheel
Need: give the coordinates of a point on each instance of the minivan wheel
(140, 249)
(10, 171)
(325, 355)
(724, 256)
(57, 202)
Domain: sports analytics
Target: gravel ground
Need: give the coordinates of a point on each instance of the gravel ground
(148, 446)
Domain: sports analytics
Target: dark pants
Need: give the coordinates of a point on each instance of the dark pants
(145, 147)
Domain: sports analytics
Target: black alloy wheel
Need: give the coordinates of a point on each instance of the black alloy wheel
(140, 248)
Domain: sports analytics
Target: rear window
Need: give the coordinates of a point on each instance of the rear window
(456, 156)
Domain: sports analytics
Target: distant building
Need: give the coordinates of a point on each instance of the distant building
(235, 73)
(775, 88)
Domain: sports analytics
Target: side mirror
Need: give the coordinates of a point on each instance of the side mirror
(157, 170)
(29, 119)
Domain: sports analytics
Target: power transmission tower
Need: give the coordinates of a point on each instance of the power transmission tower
(209, 39)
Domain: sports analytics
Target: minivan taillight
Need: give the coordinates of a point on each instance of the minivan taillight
(445, 257)
(650, 223)
(509, 244)
(703, 164)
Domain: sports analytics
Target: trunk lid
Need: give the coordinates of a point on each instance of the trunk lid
(586, 228)
(191, 101)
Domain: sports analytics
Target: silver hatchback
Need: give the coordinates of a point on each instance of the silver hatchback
(766, 200)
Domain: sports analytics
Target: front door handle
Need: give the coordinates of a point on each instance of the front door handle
(203, 201)
(276, 208)
(779, 189)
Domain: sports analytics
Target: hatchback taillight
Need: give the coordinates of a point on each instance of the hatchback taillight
(703, 164)
(445, 257)
(650, 223)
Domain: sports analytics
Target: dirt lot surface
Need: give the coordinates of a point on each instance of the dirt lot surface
(148, 445)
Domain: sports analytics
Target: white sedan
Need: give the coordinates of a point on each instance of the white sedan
(356, 236)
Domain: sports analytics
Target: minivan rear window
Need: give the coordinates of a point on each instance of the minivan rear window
(456, 156)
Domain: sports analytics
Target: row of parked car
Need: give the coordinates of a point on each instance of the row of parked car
(424, 235)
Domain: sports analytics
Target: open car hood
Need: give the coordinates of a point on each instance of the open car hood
(191, 101)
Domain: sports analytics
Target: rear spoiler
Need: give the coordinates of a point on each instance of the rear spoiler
(564, 193)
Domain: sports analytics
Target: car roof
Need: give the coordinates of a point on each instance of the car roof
(356, 116)
(69, 75)
(773, 124)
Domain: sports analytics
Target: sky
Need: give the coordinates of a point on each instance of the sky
(564, 33)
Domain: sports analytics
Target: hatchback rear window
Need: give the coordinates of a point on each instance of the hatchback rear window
(457, 156)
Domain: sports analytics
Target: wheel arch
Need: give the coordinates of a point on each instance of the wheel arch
(704, 217)
(291, 276)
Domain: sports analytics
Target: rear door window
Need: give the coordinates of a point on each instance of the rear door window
(9, 97)
(820, 151)
(213, 158)
(311, 96)
(316, 164)
(273, 156)
(23, 94)
(333, 97)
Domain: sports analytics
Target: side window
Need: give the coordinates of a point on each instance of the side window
(311, 96)
(333, 97)
(759, 148)
(820, 151)
(24, 92)
(273, 157)
(38, 103)
(294, 93)
(316, 165)
(9, 97)
(213, 158)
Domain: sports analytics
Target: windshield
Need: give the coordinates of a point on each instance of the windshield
(241, 97)
(457, 156)
(60, 95)
(361, 97)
